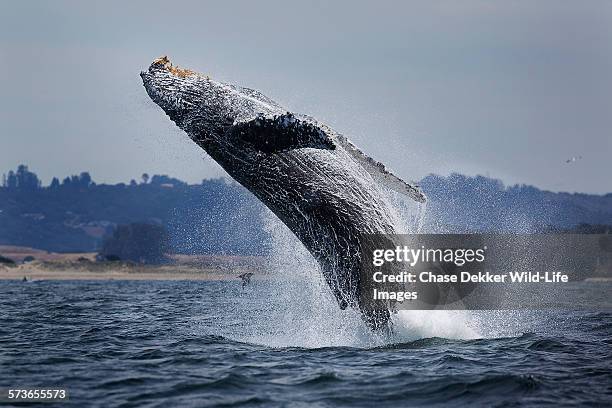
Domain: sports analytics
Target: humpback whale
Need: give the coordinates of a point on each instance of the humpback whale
(318, 183)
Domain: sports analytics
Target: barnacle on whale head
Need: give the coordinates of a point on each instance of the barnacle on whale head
(164, 62)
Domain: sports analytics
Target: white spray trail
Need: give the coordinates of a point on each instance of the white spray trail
(414, 324)
(302, 312)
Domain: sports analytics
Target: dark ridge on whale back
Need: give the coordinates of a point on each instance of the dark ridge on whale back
(148, 343)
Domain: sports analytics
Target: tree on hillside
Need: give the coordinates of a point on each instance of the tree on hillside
(11, 180)
(26, 180)
(158, 180)
(54, 183)
(85, 180)
(81, 181)
(143, 243)
(23, 179)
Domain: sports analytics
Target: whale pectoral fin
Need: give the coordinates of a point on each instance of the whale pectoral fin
(379, 172)
(281, 133)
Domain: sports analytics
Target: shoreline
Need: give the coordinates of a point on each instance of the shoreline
(119, 272)
(108, 272)
(84, 266)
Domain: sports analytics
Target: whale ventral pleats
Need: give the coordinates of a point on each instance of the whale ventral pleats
(282, 133)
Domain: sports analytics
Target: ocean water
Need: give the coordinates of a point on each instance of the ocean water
(285, 343)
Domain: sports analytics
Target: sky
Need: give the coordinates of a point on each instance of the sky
(507, 89)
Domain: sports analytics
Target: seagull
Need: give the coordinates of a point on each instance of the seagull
(246, 278)
(573, 159)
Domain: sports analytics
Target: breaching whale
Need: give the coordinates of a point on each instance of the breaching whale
(314, 179)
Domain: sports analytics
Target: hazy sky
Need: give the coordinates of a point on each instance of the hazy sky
(509, 89)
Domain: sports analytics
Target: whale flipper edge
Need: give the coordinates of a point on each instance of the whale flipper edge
(380, 173)
(281, 133)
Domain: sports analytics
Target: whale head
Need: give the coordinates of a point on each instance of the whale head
(198, 104)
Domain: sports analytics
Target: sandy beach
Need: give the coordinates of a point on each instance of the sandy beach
(82, 266)
(36, 272)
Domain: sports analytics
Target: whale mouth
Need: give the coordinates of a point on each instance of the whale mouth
(176, 90)
(163, 75)
(166, 82)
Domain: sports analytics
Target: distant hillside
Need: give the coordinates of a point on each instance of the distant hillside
(484, 204)
(220, 217)
(75, 215)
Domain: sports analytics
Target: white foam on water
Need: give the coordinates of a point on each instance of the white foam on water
(301, 311)
(412, 325)
(294, 306)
